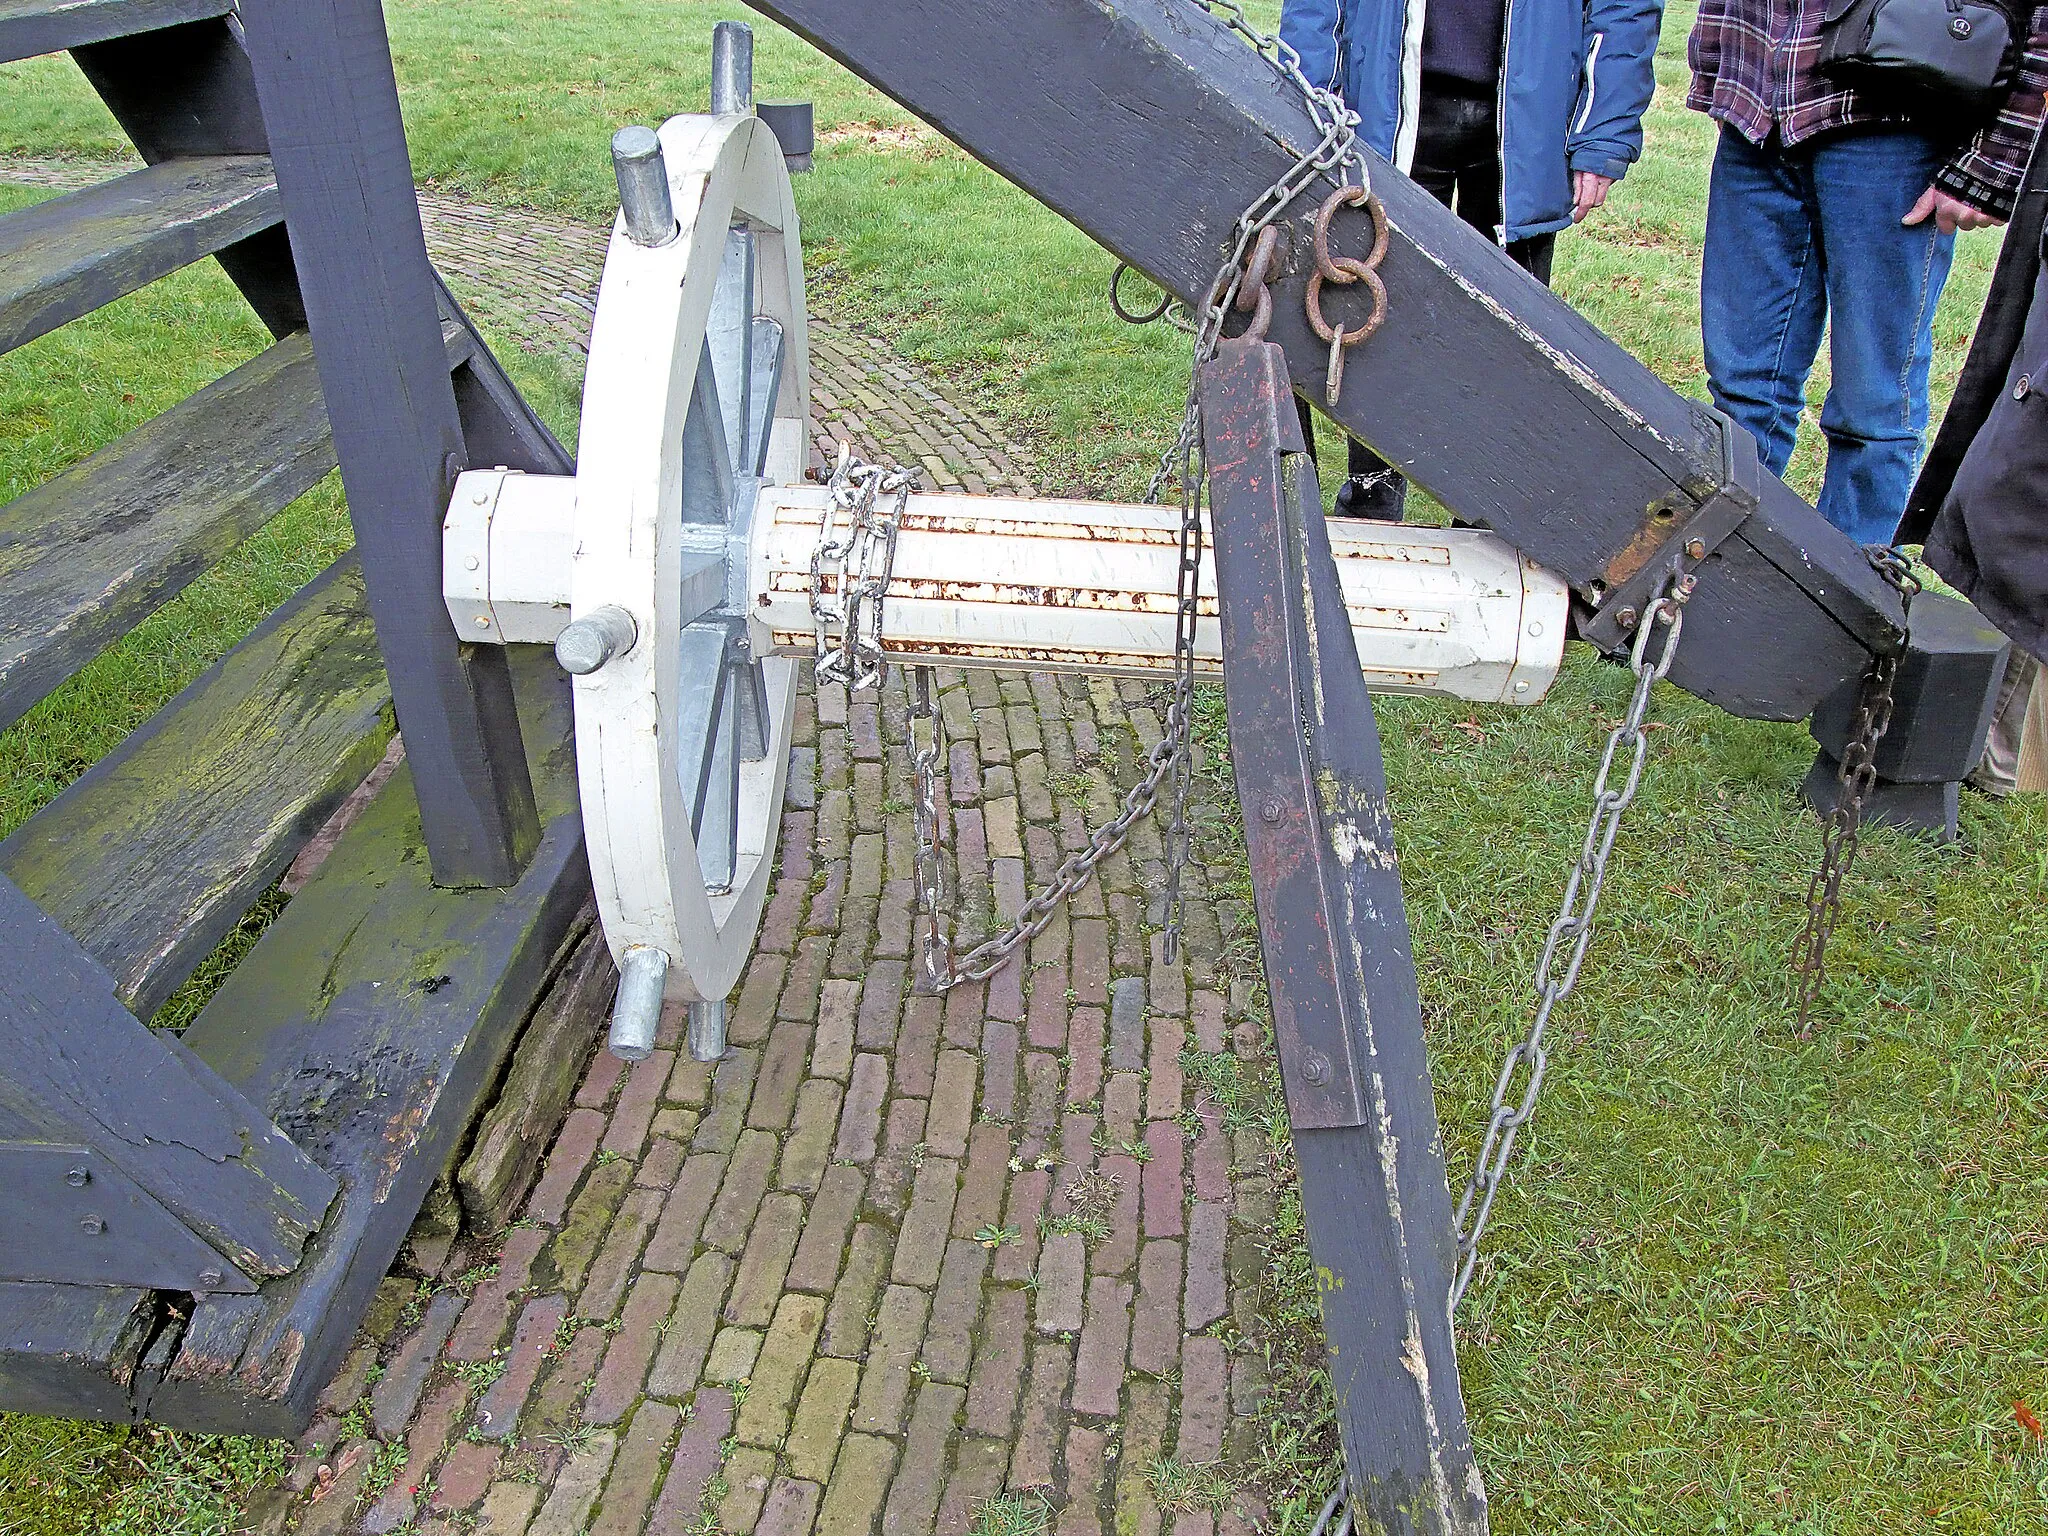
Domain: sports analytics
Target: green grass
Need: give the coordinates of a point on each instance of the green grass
(64, 1479)
(1738, 1283)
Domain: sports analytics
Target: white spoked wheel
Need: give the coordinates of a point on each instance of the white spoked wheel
(695, 397)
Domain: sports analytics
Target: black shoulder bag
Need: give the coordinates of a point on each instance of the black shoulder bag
(1937, 57)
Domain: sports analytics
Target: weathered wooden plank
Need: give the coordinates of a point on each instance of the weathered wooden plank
(1150, 126)
(87, 556)
(546, 1067)
(72, 1350)
(190, 90)
(370, 1019)
(74, 1218)
(31, 27)
(1340, 966)
(82, 1071)
(150, 857)
(330, 104)
(66, 256)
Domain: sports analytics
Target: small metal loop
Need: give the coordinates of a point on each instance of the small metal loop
(1116, 299)
(1343, 270)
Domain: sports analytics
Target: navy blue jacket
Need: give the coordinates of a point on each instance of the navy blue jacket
(1575, 82)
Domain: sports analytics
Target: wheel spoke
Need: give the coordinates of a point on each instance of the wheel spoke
(763, 385)
(728, 340)
(707, 455)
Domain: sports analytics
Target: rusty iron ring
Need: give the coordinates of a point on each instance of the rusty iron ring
(1333, 269)
(1116, 299)
(1344, 271)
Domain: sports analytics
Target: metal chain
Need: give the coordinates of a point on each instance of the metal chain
(1857, 776)
(1336, 150)
(858, 561)
(1573, 929)
(941, 969)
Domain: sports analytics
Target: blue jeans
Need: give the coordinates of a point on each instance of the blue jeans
(1810, 236)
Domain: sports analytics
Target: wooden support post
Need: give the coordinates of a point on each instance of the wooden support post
(1151, 126)
(1340, 968)
(330, 103)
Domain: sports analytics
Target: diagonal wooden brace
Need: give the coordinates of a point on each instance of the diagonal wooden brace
(1340, 968)
(1150, 126)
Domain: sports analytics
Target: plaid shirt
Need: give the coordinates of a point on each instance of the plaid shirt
(1753, 68)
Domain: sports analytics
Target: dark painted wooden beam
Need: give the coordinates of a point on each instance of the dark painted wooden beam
(67, 255)
(1340, 967)
(375, 1016)
(1150, 126)
(31, 27)
(330, 105)
(82, 1072)
(88, 555)
(189, 91)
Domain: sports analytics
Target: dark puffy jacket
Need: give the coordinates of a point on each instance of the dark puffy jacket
(1981, 503)
(1576, 80)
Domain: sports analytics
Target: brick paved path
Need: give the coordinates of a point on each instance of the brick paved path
(895, 1254)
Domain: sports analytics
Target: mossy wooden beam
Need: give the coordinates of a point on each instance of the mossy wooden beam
(155, 853)
(546, 1067)
(67, 256)
(90, 554)
(370, 1021)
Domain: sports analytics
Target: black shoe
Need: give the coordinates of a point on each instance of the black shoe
(1382, 497)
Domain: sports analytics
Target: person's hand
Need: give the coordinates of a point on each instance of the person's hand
(1589, 191)
(1949, 213)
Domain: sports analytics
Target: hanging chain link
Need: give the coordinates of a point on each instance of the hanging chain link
(856, 562)
(942, 968)
(1572, 931)
(1857, 776)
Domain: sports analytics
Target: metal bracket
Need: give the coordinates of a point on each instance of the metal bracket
(72, 1217)
(1672, 543)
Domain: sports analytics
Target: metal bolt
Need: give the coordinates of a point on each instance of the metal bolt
(480, 497)
(706, 1031)
(1626, 618)
(77, 1178)
(210, 1277)
(1695, 549)
(643, 186)
(595, 639)
(1316, 1068)
(1686, 586)
(643, 972)
(1270, 813)
(92, 1226)
(732, 68)
(471, 563)
(483, 621)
